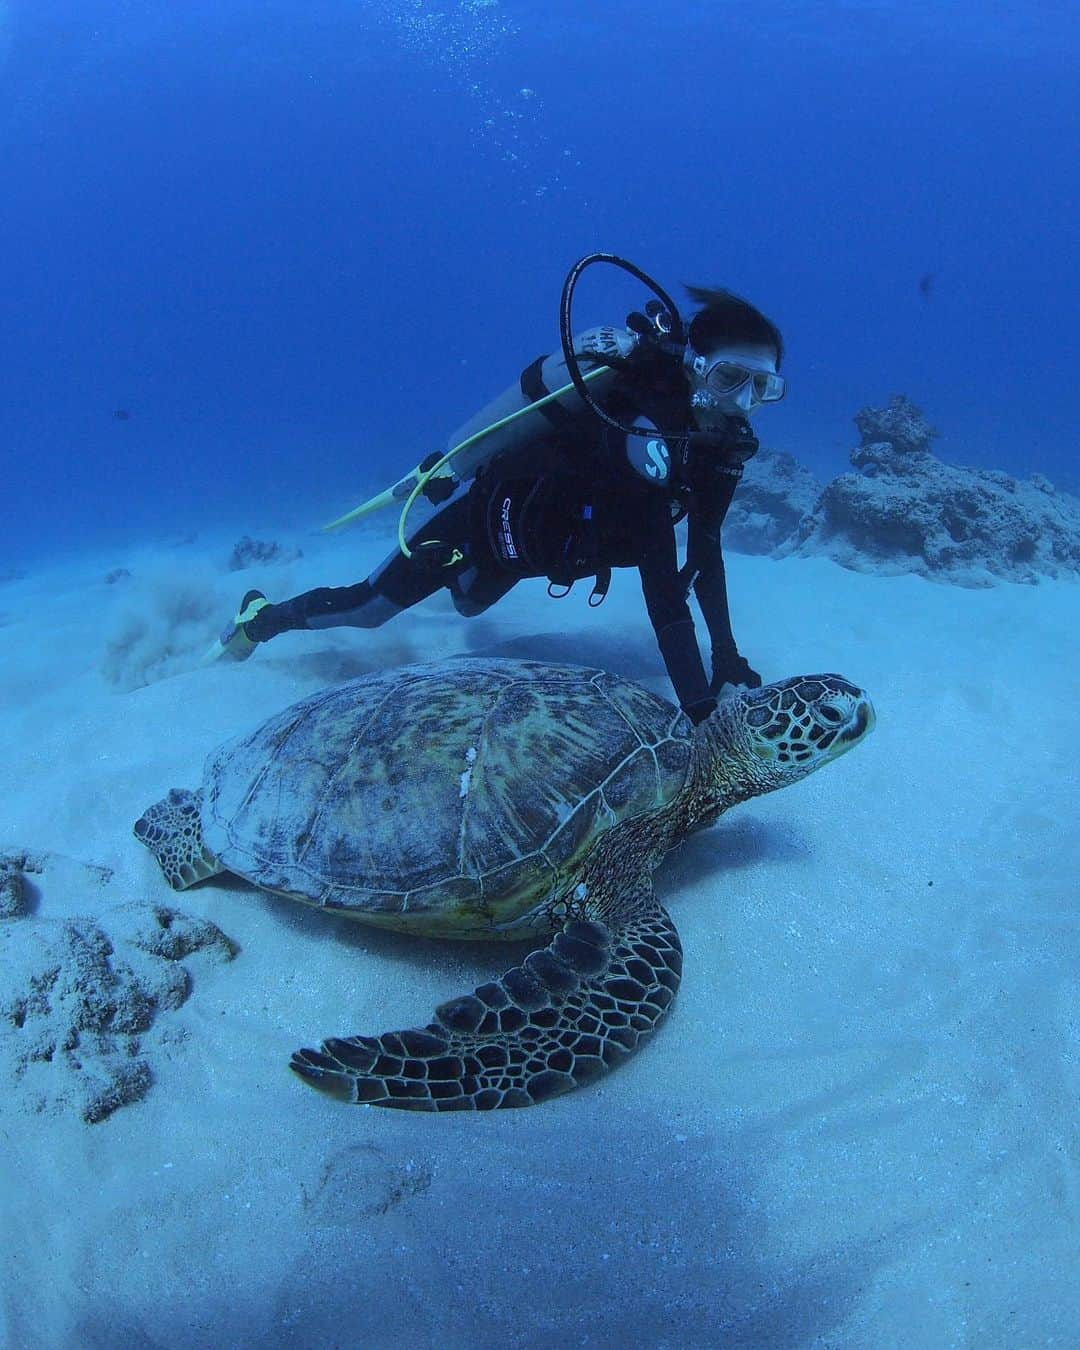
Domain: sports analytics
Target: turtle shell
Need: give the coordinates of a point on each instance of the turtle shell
(454, 799)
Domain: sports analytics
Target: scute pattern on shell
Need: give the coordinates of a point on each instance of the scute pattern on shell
(448, 798)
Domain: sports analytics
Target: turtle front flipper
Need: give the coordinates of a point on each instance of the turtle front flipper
(569, 1013)
(172, 830)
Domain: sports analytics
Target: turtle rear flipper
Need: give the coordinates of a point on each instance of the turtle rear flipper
(172, 830)
(571, 1011)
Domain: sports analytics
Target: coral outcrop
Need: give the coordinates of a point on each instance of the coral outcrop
(248, 552)
(775, 494)
(904, 510)
(82, 999)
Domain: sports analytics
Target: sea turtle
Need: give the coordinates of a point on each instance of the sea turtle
(496, 799)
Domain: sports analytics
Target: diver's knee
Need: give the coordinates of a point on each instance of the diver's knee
(467, 606)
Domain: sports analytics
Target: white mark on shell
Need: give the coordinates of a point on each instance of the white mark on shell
(463, 782)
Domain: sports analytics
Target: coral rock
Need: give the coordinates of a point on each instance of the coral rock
(775, 494)
(12, 890)
(907, 511)
(247, 552)
(81, 999)
(899, 424)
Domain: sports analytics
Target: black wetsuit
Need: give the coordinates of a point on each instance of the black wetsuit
(573, 503)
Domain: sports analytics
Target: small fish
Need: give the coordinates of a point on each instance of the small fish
(926, 284)
(122, 415)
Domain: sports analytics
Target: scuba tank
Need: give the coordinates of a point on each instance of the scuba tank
(478, 441)
(541, 393)
(496, 427)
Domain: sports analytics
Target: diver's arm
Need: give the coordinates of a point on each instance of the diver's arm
(708, 576)
(709, 580)
(665, 599)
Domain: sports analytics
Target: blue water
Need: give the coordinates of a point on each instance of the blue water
(297, 244)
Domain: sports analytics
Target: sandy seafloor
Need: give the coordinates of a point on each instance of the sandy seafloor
(857, 1128)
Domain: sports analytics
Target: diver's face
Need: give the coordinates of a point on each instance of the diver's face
(723, 384)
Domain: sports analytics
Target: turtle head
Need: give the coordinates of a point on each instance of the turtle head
(762, 739)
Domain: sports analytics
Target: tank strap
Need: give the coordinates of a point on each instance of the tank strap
(533, 388)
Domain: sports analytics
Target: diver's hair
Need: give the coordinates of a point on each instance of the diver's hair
(726, 317)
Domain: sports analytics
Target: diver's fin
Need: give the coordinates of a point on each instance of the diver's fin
(233, 642)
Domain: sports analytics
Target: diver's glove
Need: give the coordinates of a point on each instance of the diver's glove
(439, 488)
(712, 461)
(697, 712)
(735, 671)
(731, 443)
(442, 485)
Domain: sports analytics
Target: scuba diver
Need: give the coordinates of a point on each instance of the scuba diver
(586, 464)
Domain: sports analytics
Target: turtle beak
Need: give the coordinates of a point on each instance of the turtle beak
(863, 721)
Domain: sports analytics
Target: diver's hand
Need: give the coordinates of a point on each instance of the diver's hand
(439, 488)
(440, 485)
(697, 712)
(731, 674)
(606, 346)
(731, 442)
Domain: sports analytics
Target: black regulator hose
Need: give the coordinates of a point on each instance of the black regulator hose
(677, 334)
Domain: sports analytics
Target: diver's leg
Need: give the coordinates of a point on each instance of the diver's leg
(474, 589)
(397, 584)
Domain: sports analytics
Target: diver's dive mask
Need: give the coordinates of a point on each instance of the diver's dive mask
(731, 387)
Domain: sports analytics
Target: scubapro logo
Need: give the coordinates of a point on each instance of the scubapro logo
(659, 460)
